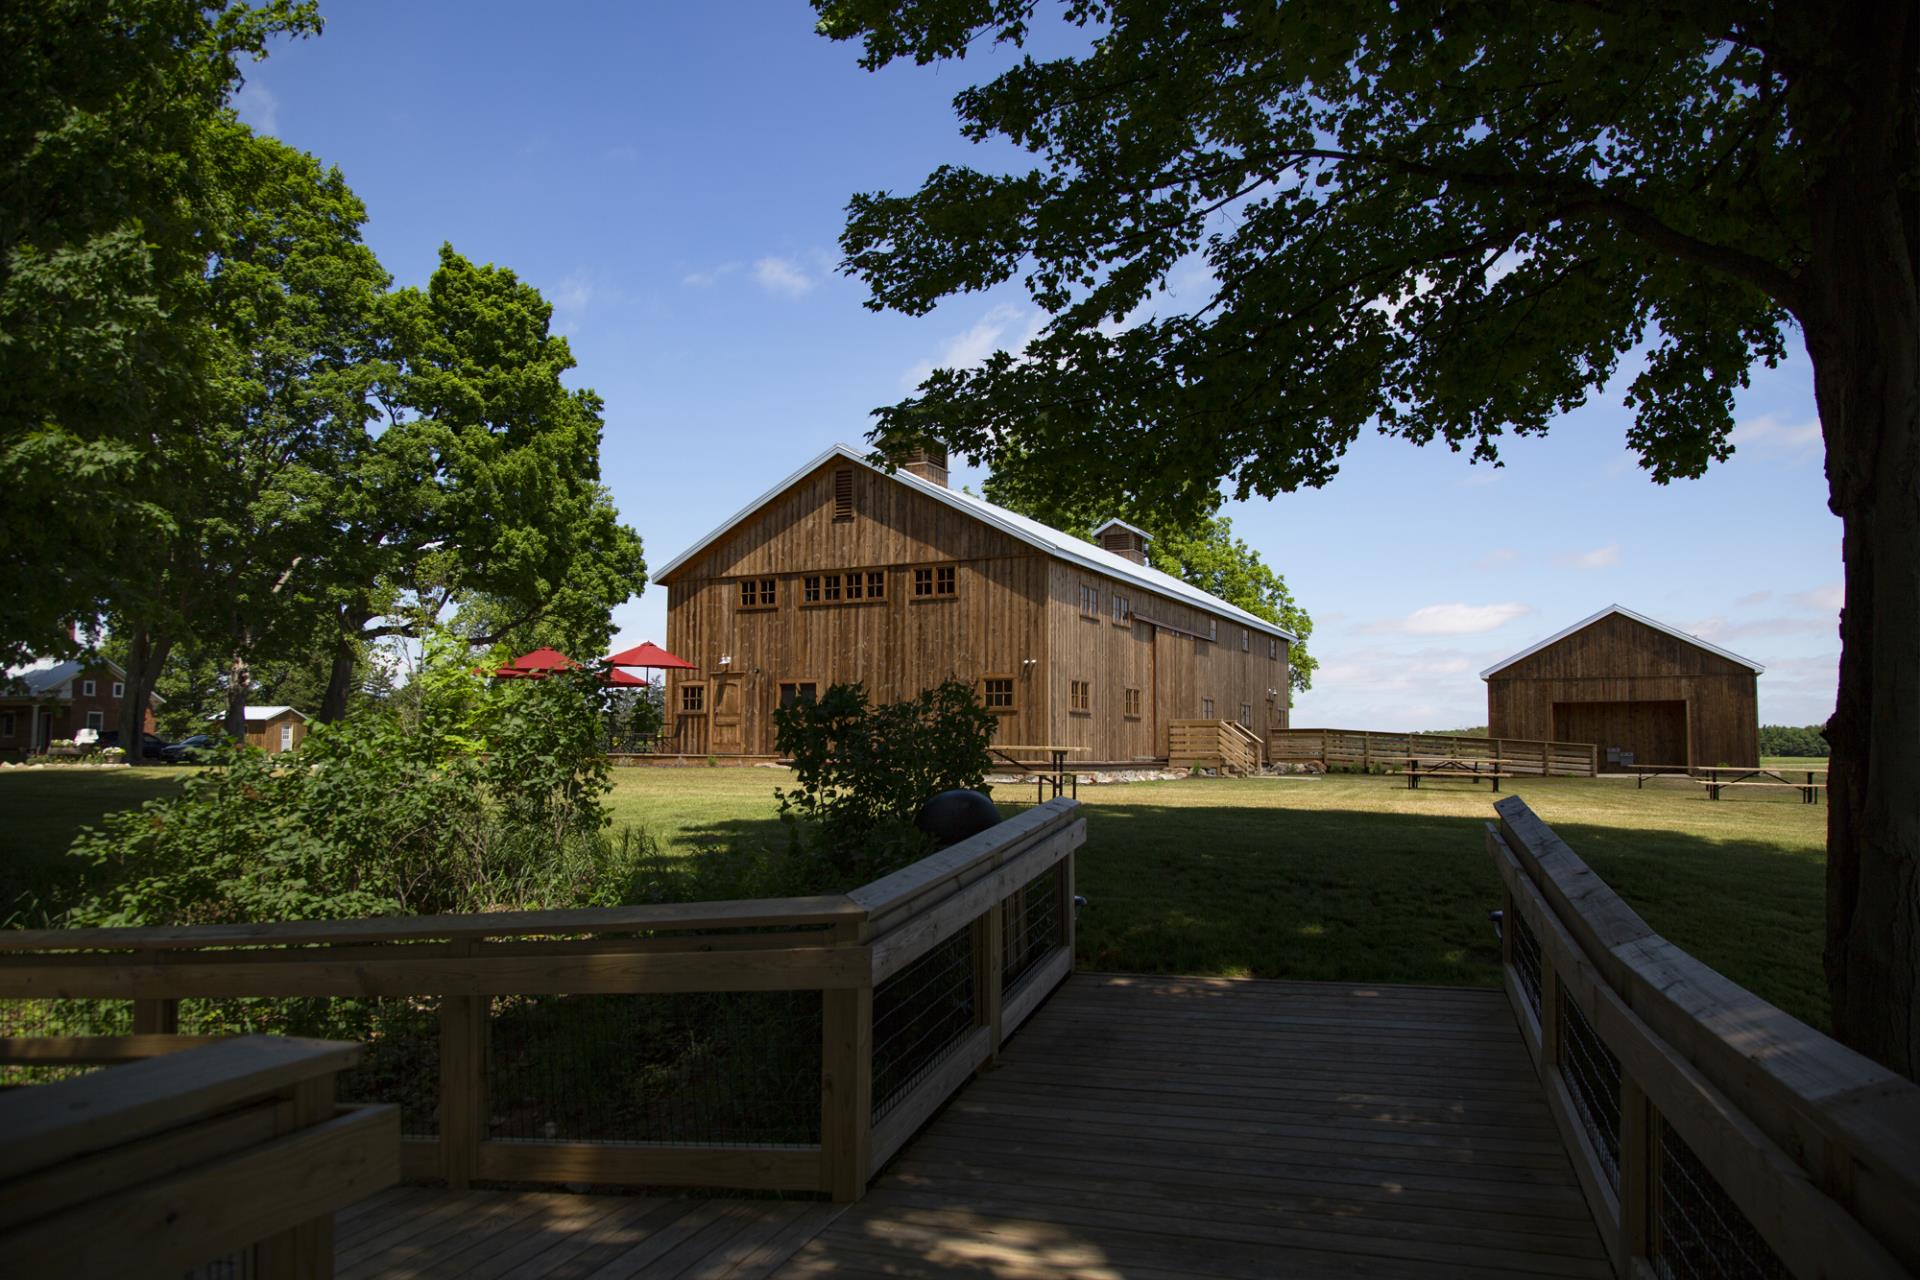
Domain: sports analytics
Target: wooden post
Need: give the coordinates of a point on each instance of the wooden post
(1638, 1151)
(1068, 924)
(155, 1017)
(989, 974)
(1366, 752)
(304, 1252)
(846, 1091)
(463, 1086)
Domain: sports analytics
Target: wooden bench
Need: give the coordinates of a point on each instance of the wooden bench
(233, 1150)
(1809, 791)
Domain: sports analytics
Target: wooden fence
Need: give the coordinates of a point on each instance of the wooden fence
(1226, 745)
(1714, 1135)
(231, 1153)
(825, 1030)
(1364, 749)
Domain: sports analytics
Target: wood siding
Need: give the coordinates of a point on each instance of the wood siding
(1015, 614)
(1604, 678)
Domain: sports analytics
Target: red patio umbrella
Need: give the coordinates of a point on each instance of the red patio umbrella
(625, 681)
(649, 655)
(543, 661)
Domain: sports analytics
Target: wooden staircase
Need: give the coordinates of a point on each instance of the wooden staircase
(1226, 745)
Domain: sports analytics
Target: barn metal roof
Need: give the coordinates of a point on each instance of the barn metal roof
(1053, 541)
(1624, 612)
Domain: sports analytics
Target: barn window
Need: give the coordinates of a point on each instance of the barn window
(693, 698)
(876, 585)
(1246, 714)
(856, 585)
(945, 580)
(1273, 648)
(934, 582)
(1213, 629)
(1132, 704)
(758, 593)
(1089, 600)
(1206, 708)
(1246, 640)
(795, 692)
(830, 586)
(997, 693)
(1080, 696)
(1122, 608)
(843, 495)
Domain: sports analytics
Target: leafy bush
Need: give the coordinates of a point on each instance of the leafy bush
(464, 795)
(1787, 740)
(863, 771)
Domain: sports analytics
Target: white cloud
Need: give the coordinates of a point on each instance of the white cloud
(990, 334)
(1753, 598)
(1771, 433)
(708, 278)
(1831, 598)
(1453, 619)
(782, 275)
(257, 107)
(1598, 558)
(573, 294)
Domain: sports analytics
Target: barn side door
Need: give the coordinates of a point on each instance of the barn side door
(725, 716)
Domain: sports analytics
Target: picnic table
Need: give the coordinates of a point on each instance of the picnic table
(1452, 768)
(1720, 776)
(1641, 772)
(1058, 773)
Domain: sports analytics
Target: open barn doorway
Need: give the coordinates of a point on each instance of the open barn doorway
(1627, 733)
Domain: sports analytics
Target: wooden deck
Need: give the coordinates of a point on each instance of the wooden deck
(1137, 1127)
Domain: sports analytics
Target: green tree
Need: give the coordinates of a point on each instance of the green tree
(1198, 549)
(114, 199)
(1451, 222)
(483, 483)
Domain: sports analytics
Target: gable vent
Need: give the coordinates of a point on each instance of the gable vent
(929, 463)
(843, 494)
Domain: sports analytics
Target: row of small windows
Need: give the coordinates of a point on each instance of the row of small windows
(1123, 613)
(930, 582)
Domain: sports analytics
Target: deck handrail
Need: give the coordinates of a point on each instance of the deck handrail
(858, 951)
(1700, 1118)
(1221, 744)
(232, 1150)
(1365, 748)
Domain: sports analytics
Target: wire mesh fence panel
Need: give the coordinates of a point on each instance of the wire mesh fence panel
(1030, 926)
(1699, 1233)
(1592, 1074)
(1526, 958)
(721, 1068)
(29, 1018)
(920, 1015)
(401, 1033)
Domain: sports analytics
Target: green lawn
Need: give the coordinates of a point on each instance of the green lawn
(1342, 877)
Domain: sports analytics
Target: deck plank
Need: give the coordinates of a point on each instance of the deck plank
(1137, 1128)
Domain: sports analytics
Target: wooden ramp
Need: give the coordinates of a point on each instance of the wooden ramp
(1137, 1127)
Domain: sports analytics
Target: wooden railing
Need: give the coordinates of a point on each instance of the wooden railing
(1213, 744)
(233, 1152)
(1365, 749)
(815, 1033)
(1714, 1135)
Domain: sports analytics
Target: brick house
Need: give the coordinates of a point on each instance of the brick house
(54, 700)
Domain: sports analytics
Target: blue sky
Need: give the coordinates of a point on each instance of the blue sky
(673, 178)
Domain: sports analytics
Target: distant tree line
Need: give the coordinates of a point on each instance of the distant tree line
(1792, 740)
(237, 458)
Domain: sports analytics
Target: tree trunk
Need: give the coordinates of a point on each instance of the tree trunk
(146, 654)
(333, 706)
(239, 684)
(1862, 322)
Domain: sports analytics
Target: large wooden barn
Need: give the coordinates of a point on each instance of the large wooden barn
(1644, 692)
(846, 572)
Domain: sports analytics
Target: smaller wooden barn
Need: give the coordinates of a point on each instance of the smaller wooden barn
(1645, 693)
(273, 729)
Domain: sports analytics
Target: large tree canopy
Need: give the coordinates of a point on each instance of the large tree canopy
(1454, 222)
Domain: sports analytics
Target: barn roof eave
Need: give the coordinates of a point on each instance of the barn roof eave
(1624, 612)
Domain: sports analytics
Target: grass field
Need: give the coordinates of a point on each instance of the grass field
(1342, 877)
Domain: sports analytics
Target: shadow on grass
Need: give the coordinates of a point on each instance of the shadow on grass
(1367, 896)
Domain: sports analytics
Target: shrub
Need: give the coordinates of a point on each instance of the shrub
(864, 770)
(1788, 740)
(464, 795)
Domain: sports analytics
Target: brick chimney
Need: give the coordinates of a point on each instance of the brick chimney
(1123, 539)
(928, 462)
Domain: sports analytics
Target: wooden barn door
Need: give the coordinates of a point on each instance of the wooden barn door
(725, 715)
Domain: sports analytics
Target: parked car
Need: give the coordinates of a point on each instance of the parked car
(187, 750)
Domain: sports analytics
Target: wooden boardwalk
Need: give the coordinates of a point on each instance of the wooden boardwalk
(1137, 1127)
